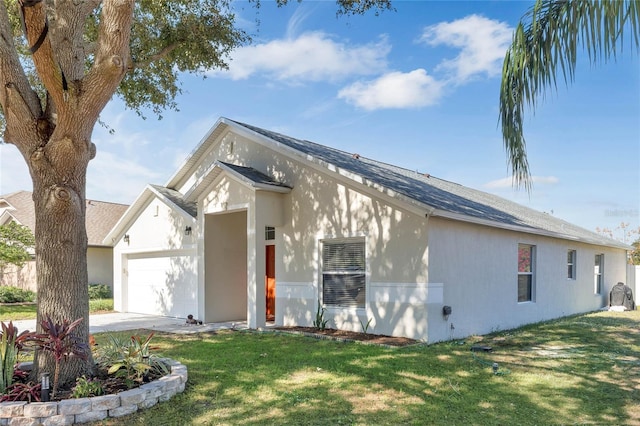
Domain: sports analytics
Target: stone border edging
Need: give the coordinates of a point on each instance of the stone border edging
(83, 410)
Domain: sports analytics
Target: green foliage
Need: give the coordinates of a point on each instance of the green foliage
(99, 291)
(545, 44)
(16, 295)
(129, 358)
(320, 322)
(85, 388)
(101, 305)
(365, 327)
(15, 240)
(11, 343)
(635, 253)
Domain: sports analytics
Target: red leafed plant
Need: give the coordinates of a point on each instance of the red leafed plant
(58, 341)
(29, 392)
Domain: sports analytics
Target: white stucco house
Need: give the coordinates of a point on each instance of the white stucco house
(421, 257)
(100, 218)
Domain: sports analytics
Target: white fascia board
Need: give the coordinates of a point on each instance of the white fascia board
(6, 217)
(523, 229)
(197, 153)
(129, 216)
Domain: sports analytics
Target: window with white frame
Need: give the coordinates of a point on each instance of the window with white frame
(344, 273)
(598, 273)
(571, 264)
(526, 270)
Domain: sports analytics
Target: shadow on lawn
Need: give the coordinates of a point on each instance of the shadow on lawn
(553, 373)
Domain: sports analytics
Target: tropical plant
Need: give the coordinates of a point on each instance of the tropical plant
(29, 392)
(131, 359)
(11, 343)
(85, 388)
(58, 341)
(545, 44)
(62, 62)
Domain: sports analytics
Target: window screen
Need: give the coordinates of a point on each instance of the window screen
(343, 274)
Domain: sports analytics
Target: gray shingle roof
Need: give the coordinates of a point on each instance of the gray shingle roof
(178, 199)
(254, 175)
(437, 193)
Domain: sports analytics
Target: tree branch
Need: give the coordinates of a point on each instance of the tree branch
(20, 103)
(112, 54)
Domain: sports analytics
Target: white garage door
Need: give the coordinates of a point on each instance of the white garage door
(162, 285)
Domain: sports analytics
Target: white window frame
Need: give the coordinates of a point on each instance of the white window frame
(363, 271)
(572, 256)
(598, 274)
(531, 273)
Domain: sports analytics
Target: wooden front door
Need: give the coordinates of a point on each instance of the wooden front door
(270, 282)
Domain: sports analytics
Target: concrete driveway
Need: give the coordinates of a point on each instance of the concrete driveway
(117, 321)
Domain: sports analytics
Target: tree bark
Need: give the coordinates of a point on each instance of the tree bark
(53, 135)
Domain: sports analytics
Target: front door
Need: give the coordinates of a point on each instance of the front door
(270, 282)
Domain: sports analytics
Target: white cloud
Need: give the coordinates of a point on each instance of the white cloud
(508, 182)
(394, 90)
(312, 56)
(115, 179)
(483, 43)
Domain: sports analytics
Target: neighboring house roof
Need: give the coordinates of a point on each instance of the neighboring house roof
(100, 216)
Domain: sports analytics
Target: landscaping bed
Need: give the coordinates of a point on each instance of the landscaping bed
(376, 339)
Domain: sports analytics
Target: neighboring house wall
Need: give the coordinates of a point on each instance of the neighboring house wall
(160, 263)
(100, 265)
(24, 277)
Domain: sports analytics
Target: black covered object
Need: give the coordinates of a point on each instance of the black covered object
(621, 295)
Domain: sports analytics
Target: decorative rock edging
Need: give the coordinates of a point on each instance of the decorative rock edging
(83, 410)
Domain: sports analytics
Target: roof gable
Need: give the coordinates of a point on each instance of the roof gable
(434, 196)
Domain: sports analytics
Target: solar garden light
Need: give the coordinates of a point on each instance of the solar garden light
(495, 368)
(44, 387)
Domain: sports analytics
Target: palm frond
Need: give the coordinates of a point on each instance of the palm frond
(545, 45)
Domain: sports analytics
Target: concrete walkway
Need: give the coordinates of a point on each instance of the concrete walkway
(117, 321)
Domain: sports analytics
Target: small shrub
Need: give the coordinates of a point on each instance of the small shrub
(16, 295)
(97, 305)
(85, 388)
(99, 291)
(320, 322)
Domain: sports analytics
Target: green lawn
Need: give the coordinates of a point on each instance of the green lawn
(23, 311)
(578, 370)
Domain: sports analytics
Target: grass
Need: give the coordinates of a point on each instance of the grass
(577, 370)
(23, 311)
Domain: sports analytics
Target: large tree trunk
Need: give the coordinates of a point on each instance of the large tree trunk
(61, 247)
(53, 134)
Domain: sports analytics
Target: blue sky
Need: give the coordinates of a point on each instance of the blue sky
(417, 88)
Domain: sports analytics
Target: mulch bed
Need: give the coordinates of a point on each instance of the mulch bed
(330, 333)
